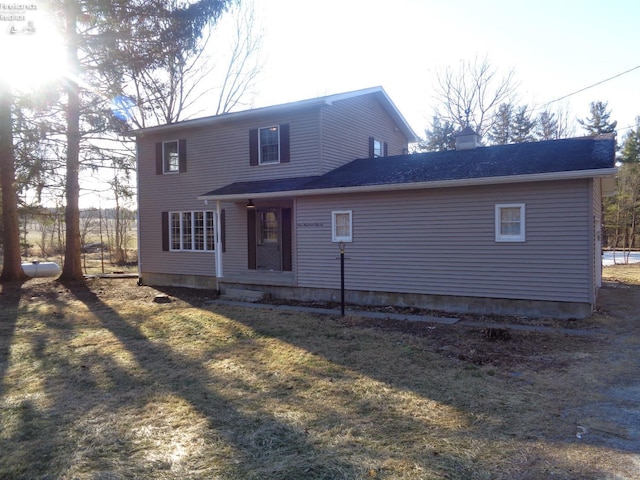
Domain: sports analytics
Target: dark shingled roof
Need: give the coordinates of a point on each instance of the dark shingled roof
(554, 156)
(263, 186)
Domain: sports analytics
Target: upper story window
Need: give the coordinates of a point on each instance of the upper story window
(341, 226)
(510, 222)
(171, 157)
(269, 145)
(377, 148)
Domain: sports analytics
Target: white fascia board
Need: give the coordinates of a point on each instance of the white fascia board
(328, 100)
(391, 187)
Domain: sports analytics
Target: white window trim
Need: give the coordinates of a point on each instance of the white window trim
(521, 237)
(334, 236)
(275, 162)
(206, 245)
(380, 144)
(165, 161)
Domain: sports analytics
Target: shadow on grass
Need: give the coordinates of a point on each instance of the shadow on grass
(10, 300)
(85, 423)
(260, 442)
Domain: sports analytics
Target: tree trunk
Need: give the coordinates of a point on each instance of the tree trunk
(72, 268)
(12, 262)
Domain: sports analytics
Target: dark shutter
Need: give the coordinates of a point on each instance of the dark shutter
(223, 230)
(284, 143)
(253, 147)
(371, 140)
(251, 239)
(165, 231)
(286, 240)
(182, 155)
(159, 166)
(386, 150)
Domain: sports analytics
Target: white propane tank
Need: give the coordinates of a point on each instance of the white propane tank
(38, 269)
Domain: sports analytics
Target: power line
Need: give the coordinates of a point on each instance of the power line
(591, 86)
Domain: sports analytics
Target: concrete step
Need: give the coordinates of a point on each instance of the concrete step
(239, 294)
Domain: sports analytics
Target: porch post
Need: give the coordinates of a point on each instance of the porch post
(218, 248)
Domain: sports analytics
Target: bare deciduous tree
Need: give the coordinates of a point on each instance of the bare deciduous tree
(187, 82)
(243, 65)
(472, 94)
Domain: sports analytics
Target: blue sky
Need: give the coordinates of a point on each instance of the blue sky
(555, 48)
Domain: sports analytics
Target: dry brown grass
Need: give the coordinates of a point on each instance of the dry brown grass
(101, 382)
(629, 274)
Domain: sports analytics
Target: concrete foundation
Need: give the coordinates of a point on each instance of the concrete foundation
(446, 303)
(174, 280)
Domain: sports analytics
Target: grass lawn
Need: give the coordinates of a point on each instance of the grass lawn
(100, 382)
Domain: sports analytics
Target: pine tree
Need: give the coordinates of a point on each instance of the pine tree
(523, 126)
(11, 267)
(630, 152)
(500, 131)
(598, 122)
(135, 35)
(546, 126)
(439, 137)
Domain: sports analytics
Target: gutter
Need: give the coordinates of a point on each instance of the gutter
(467, 182)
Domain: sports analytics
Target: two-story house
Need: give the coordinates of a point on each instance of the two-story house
(262, 199)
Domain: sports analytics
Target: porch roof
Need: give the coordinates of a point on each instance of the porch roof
(261, 187)
(582, 157)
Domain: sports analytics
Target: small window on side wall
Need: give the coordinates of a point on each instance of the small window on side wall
(377, 148)
(342, 226)
(510, 222)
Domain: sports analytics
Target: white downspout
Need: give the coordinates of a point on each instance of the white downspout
(218, 248)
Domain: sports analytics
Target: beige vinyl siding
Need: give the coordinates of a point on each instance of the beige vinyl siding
(442, 242)
(215, 158)
(347, 126)
(234, 259)
(219, 155)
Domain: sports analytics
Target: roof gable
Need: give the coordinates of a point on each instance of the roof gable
(378, 92)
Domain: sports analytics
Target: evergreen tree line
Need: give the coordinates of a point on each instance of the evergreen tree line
(621, 225)
(515, 124)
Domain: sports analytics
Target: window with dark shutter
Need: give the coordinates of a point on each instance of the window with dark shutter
(171, 157)
(377, 148)
(165, 231)
(251, 239)
(159, 164)
(287, 240)
(253, 147)
(284, 143)
(269, 145)
(182, 155)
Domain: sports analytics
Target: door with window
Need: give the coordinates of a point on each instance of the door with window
(270, 239)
